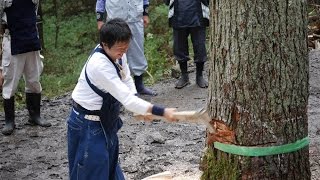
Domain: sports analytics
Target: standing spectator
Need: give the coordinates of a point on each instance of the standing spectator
(2, 23)
(189, 17)
(135, 13)
(21, 56)
(104, 83)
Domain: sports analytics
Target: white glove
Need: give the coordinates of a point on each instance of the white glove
(6, 3)
(36, 2)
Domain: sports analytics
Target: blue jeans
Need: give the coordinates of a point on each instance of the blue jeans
(92, 154)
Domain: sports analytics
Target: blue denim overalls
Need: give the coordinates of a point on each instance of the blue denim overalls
(93, 146)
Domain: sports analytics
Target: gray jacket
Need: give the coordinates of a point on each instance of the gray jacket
(129, 10)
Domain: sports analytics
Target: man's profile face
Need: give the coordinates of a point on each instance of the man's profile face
(117, 50)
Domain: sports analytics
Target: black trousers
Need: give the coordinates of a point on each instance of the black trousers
(181, 47)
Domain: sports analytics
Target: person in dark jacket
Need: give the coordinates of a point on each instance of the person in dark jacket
(189, 17)
(21, 56)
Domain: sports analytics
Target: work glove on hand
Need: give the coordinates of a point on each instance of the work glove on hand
(5, 4)
(35, 2)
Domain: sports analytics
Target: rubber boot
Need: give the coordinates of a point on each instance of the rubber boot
(8, 105)
(33, 105)
(141, 89)
(199, 77)
(184, 79)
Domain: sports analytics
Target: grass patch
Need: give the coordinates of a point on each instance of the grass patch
(66, 54)
(158, 44)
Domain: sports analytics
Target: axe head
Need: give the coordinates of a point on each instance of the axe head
(203, 117)
(200, 116)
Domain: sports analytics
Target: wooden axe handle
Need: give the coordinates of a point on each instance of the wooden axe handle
(190, 116)
(185, 116)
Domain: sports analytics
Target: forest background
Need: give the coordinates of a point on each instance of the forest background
(69, 32)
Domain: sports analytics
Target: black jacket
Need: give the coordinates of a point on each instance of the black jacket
(188, 13)
(21, 20)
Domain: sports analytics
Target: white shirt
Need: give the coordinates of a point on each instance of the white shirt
(103, 74)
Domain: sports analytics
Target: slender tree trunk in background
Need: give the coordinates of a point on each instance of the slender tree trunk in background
(259, 82)
(57, 22)
(40, 25)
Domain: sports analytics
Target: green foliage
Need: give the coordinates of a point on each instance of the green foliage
(69, 38)
(159, 21)
(67, 51)
(66, 8)
(158, 65)
(218, 167)
(154, 3)
(158, 44)
(62, 64)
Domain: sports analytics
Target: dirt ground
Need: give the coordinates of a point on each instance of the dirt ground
(145, 148)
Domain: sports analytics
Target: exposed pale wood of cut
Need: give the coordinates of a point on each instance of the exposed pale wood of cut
(167, 175)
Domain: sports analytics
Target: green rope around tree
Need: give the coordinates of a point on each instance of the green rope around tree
(262, 151)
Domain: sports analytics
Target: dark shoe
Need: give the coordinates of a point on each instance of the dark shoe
(8, 128)
(201, 82)
(8, 105)
(199, 78)
(38, 121)
(183, 81)
(147, 91)
(33, 105)
(141, 89)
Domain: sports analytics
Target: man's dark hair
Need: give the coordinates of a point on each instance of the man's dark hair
(115, 30)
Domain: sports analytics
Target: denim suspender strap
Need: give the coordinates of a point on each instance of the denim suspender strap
(109, 113)
(94, 88)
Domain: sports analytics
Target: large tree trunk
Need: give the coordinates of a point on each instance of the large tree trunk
(259, 82)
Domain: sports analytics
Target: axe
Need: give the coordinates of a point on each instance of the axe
(201, 116)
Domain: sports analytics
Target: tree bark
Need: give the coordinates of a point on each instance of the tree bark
(259, 81)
